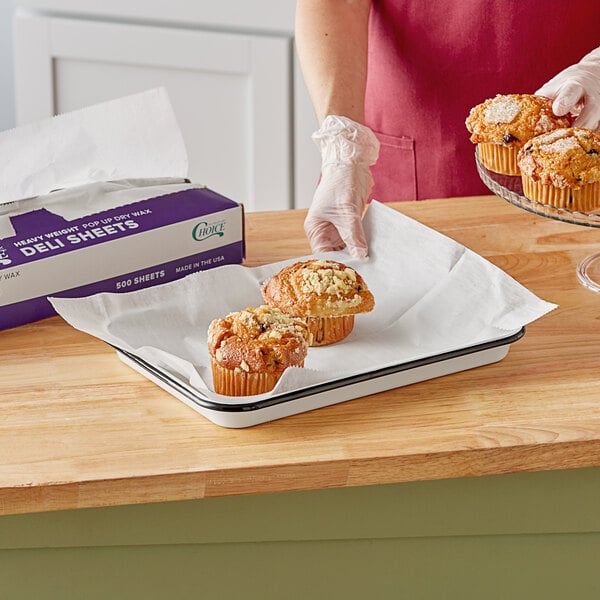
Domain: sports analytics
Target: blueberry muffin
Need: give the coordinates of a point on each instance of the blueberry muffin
(500, 127)
(562, 169)
(251, 349)
(325, 293)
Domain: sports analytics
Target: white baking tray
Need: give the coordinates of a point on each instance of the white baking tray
(246, 414)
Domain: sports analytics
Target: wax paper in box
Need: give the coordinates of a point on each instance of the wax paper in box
(98, 200)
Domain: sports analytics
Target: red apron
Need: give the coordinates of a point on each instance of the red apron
(430, 61)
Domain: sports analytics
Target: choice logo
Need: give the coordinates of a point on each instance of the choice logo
(205, 230)
(4, 258)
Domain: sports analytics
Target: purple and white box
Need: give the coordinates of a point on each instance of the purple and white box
(99, 200)
(143, 243)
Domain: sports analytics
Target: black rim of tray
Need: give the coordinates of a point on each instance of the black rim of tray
(200, 400)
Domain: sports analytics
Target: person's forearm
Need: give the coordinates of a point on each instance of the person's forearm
(331, 40)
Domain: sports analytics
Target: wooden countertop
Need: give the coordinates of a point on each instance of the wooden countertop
(80, 429)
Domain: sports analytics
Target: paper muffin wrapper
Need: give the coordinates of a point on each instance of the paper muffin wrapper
(328, 330)
(583, 199)
(498, 158)
(236, 382)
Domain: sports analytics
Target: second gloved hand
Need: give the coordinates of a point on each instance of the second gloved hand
(334, 220)
(576, 90)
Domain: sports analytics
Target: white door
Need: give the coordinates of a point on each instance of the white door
(232, 93)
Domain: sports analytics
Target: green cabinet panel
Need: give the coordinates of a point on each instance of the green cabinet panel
(557, 566)
(534, 535)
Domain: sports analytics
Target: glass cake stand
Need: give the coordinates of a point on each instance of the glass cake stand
(510, 189)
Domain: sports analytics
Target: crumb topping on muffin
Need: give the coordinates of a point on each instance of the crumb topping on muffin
(261, 339)
(326, 277)
(264, 321)
(503, 109)
(318, 288)
(568, 157)
(512, 119)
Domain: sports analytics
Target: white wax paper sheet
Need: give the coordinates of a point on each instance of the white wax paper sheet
(132, 138)
(432, 295)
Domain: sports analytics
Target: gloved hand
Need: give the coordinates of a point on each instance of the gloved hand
(333, 222)
(576, 90)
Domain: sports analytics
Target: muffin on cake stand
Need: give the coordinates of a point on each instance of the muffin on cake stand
(510, 188)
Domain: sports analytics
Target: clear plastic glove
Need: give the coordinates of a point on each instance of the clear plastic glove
(576, 90)
(334, 220)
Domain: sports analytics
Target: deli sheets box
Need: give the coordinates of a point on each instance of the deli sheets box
(98, 200)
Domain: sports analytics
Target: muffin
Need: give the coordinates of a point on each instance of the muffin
(325, 293)
(500, 127)
(562, 168)
(251, 349)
